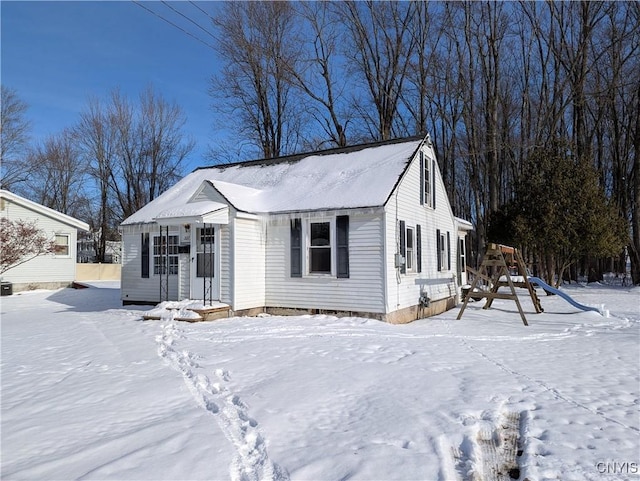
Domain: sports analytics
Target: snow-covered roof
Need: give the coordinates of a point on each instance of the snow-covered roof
(43, 210)
(463, 224)
(353, 177)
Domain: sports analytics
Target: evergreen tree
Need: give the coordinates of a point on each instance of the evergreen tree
(560, 213)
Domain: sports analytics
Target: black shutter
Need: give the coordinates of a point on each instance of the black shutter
(342, 227)
(448, 251)
(418, 248)
(403, 247)
(144, 243)
(433, 178)
(422, 199)
(296, 248)
(438, 247)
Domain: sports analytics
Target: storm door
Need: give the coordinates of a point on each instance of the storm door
(205, 283)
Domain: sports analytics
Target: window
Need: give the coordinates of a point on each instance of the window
(443, 241)
(462, 263)
(165, 254)
(326, 246)
(409, 249)
(425, 180)
(320, 248)
(62, 245)
(205, 248)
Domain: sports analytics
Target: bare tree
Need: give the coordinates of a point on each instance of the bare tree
(258, 44)
(134, 153)
(14, 136)
(150, 149)
(96, 136)
(57, 175)
(379, 47)
(316, 73)
(21, 241)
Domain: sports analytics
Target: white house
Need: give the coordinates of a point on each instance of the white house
(364, 230)
(47, 271)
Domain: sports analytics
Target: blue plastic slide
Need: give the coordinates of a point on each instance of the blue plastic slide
(553, 290)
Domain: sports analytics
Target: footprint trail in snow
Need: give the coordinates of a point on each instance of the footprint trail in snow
(251, 461)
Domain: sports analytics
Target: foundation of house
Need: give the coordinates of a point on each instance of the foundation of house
(402, 316)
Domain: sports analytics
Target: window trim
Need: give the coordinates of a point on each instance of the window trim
(409, 257)
(154, 256)
(332, 247)
(205, 236)
(443, 248)
(299, 261)
(427, 183)
(66, 255)
(462, 258)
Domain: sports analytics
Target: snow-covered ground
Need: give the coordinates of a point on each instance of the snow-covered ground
(91, 392)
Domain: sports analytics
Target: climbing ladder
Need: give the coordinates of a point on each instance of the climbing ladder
(495, 271)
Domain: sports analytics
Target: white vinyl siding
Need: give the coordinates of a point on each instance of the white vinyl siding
(362, 291)
(404, 205)
(226, 267)
(46, 268)
(135, 288)
(249, 262)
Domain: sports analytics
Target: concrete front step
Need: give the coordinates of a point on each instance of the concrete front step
(189, 311)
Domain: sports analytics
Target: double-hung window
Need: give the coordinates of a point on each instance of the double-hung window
(443, 243)
(165, 254)
(427, 181)
(320, 247)
(410, 248)
(62, 245)
(409, 252)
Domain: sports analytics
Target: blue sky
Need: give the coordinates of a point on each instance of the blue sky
(58, 54)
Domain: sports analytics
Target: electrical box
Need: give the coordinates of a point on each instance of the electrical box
(399, 260)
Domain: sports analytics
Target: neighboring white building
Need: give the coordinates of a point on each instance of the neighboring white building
(364, 230)
(87, 251)
(47, 271)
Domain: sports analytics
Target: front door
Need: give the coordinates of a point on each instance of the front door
(205, 282)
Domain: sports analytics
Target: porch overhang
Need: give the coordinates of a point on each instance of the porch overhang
(204, 212)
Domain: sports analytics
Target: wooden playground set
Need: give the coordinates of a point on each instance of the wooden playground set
(503, 266)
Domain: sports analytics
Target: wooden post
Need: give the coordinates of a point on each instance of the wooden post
(494, 266)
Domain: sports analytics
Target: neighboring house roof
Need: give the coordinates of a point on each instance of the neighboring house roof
(353, 177)
(464, 224)
(46, 211)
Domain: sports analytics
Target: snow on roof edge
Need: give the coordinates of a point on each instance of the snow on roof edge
(229, 174)
(44, 210)
(291, 158)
